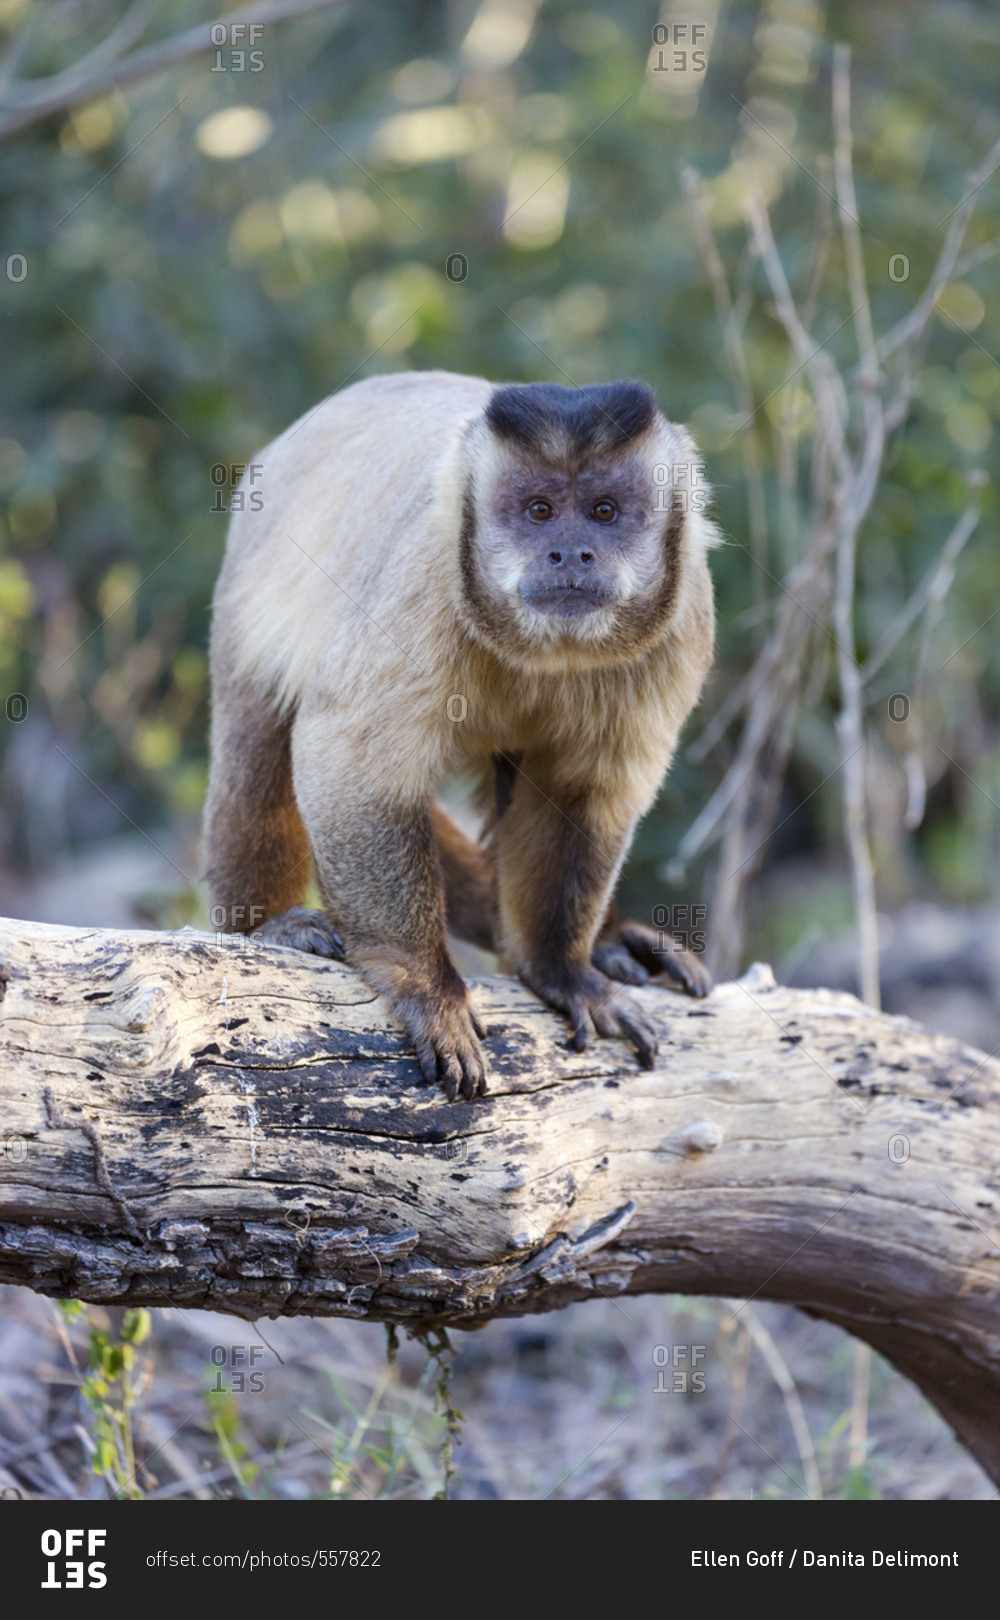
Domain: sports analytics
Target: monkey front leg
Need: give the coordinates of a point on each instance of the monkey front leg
(379, 875)
(558, 857)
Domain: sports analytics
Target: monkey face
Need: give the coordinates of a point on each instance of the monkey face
(564, 566)
(571, 546)
(573, 529)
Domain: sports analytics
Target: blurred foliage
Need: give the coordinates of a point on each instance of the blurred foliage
(110, 1387)
(193, 261)
(225, 1422)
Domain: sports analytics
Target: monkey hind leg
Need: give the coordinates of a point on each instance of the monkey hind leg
(469, 883)
(255, 849)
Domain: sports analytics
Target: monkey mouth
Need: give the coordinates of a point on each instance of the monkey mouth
(568, 601)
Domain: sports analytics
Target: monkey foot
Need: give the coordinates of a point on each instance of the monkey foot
(595, 1005)
(686, 970)
(303, 930)
(635, 954)
(616, 961)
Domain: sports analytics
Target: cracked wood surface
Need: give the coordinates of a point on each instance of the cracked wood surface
(241, 1128)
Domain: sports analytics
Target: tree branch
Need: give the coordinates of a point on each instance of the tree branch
(28, 101)
(244, 1129)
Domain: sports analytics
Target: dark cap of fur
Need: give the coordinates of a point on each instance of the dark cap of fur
(543, 417)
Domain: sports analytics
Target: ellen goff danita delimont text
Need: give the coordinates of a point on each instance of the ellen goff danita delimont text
(808, 1558)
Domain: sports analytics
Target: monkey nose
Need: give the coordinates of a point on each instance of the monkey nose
(587, 558)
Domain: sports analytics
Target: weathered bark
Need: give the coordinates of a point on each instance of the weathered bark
(199, 1123)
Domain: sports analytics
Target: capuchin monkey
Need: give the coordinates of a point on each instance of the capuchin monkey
(445, 577)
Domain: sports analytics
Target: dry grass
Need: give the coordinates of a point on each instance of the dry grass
(563, 1405)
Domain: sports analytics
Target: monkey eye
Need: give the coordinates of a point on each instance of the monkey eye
(604, 512)
(539, 511)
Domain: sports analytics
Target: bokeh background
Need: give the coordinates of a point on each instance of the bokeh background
(192, 259)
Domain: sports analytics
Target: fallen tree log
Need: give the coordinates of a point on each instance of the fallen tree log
(189, 1121)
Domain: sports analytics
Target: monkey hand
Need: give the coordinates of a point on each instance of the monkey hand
(447, 1035)
(635, 953)
(595, 1005)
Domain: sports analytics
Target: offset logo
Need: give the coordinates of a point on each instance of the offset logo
(64, 1567)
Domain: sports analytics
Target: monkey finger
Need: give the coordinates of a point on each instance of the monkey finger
(643, 944)
(466, 1082)
(635, 973)
(473, 1072)
(583, 1028)
(427, 1060)
(642, 1035)
(477, 1025)
(617, 962)
(704, 983)
(676, 968)
(684, 969)
(450, 1075)
(605, 1019)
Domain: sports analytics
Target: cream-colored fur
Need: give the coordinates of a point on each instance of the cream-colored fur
(342, 595)
(359, 659)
